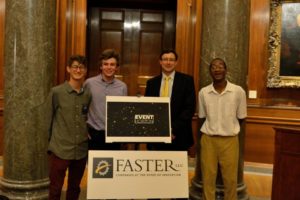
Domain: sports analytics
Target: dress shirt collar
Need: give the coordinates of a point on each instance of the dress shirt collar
(171, 75)
(228, 88)
(70, 89)
(108, 82)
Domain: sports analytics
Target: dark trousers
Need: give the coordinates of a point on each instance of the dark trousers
(57, 173)
(97, 141)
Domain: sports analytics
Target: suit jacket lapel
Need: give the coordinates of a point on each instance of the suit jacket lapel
(157, 85)
(176, 84)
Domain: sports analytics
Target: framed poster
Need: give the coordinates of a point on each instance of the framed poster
(138, 119)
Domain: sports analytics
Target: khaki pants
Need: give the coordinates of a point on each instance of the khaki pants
(225, 151)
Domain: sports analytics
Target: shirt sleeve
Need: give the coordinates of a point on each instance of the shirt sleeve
(49, 113)
(242, 107)
(202, 110)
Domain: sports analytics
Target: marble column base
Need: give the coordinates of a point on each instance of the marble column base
(196, 191)
(37, 189)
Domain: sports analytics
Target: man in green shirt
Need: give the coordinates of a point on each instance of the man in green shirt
(68, 142)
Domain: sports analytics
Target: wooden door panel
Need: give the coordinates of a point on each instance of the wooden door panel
(93, 40)
(112, 25)
(152, 17)
(138, 34)
(112, 15)
(112, 39)
(152, 44)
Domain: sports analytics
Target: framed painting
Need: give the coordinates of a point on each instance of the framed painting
(284, 44)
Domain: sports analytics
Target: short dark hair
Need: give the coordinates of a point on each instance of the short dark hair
(220, 59)
(79, 58)
(165, 51)
(109, 53)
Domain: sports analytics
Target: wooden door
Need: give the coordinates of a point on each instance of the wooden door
(138, 34)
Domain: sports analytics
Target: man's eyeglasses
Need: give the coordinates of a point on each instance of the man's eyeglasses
(168, 59)
(76, 67)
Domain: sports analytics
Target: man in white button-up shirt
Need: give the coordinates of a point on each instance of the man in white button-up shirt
(222, 108)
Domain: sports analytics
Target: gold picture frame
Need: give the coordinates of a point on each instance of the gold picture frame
(282, 74)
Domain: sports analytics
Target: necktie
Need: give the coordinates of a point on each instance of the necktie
(165, 91)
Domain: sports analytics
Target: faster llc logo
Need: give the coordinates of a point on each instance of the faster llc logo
(103, 167)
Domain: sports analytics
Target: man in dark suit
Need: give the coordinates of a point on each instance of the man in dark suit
(181, 90)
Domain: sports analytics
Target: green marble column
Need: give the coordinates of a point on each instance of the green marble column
(28, 75)
(225, 34)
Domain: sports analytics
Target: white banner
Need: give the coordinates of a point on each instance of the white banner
(137, 174)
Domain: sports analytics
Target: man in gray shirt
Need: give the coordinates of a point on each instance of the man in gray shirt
(100, 86)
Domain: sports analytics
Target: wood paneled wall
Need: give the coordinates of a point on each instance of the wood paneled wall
(188, 44)
(2, 19)
(260, 133)
(188, 36)
(71, 33)
(258, 60)
(272, 107)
